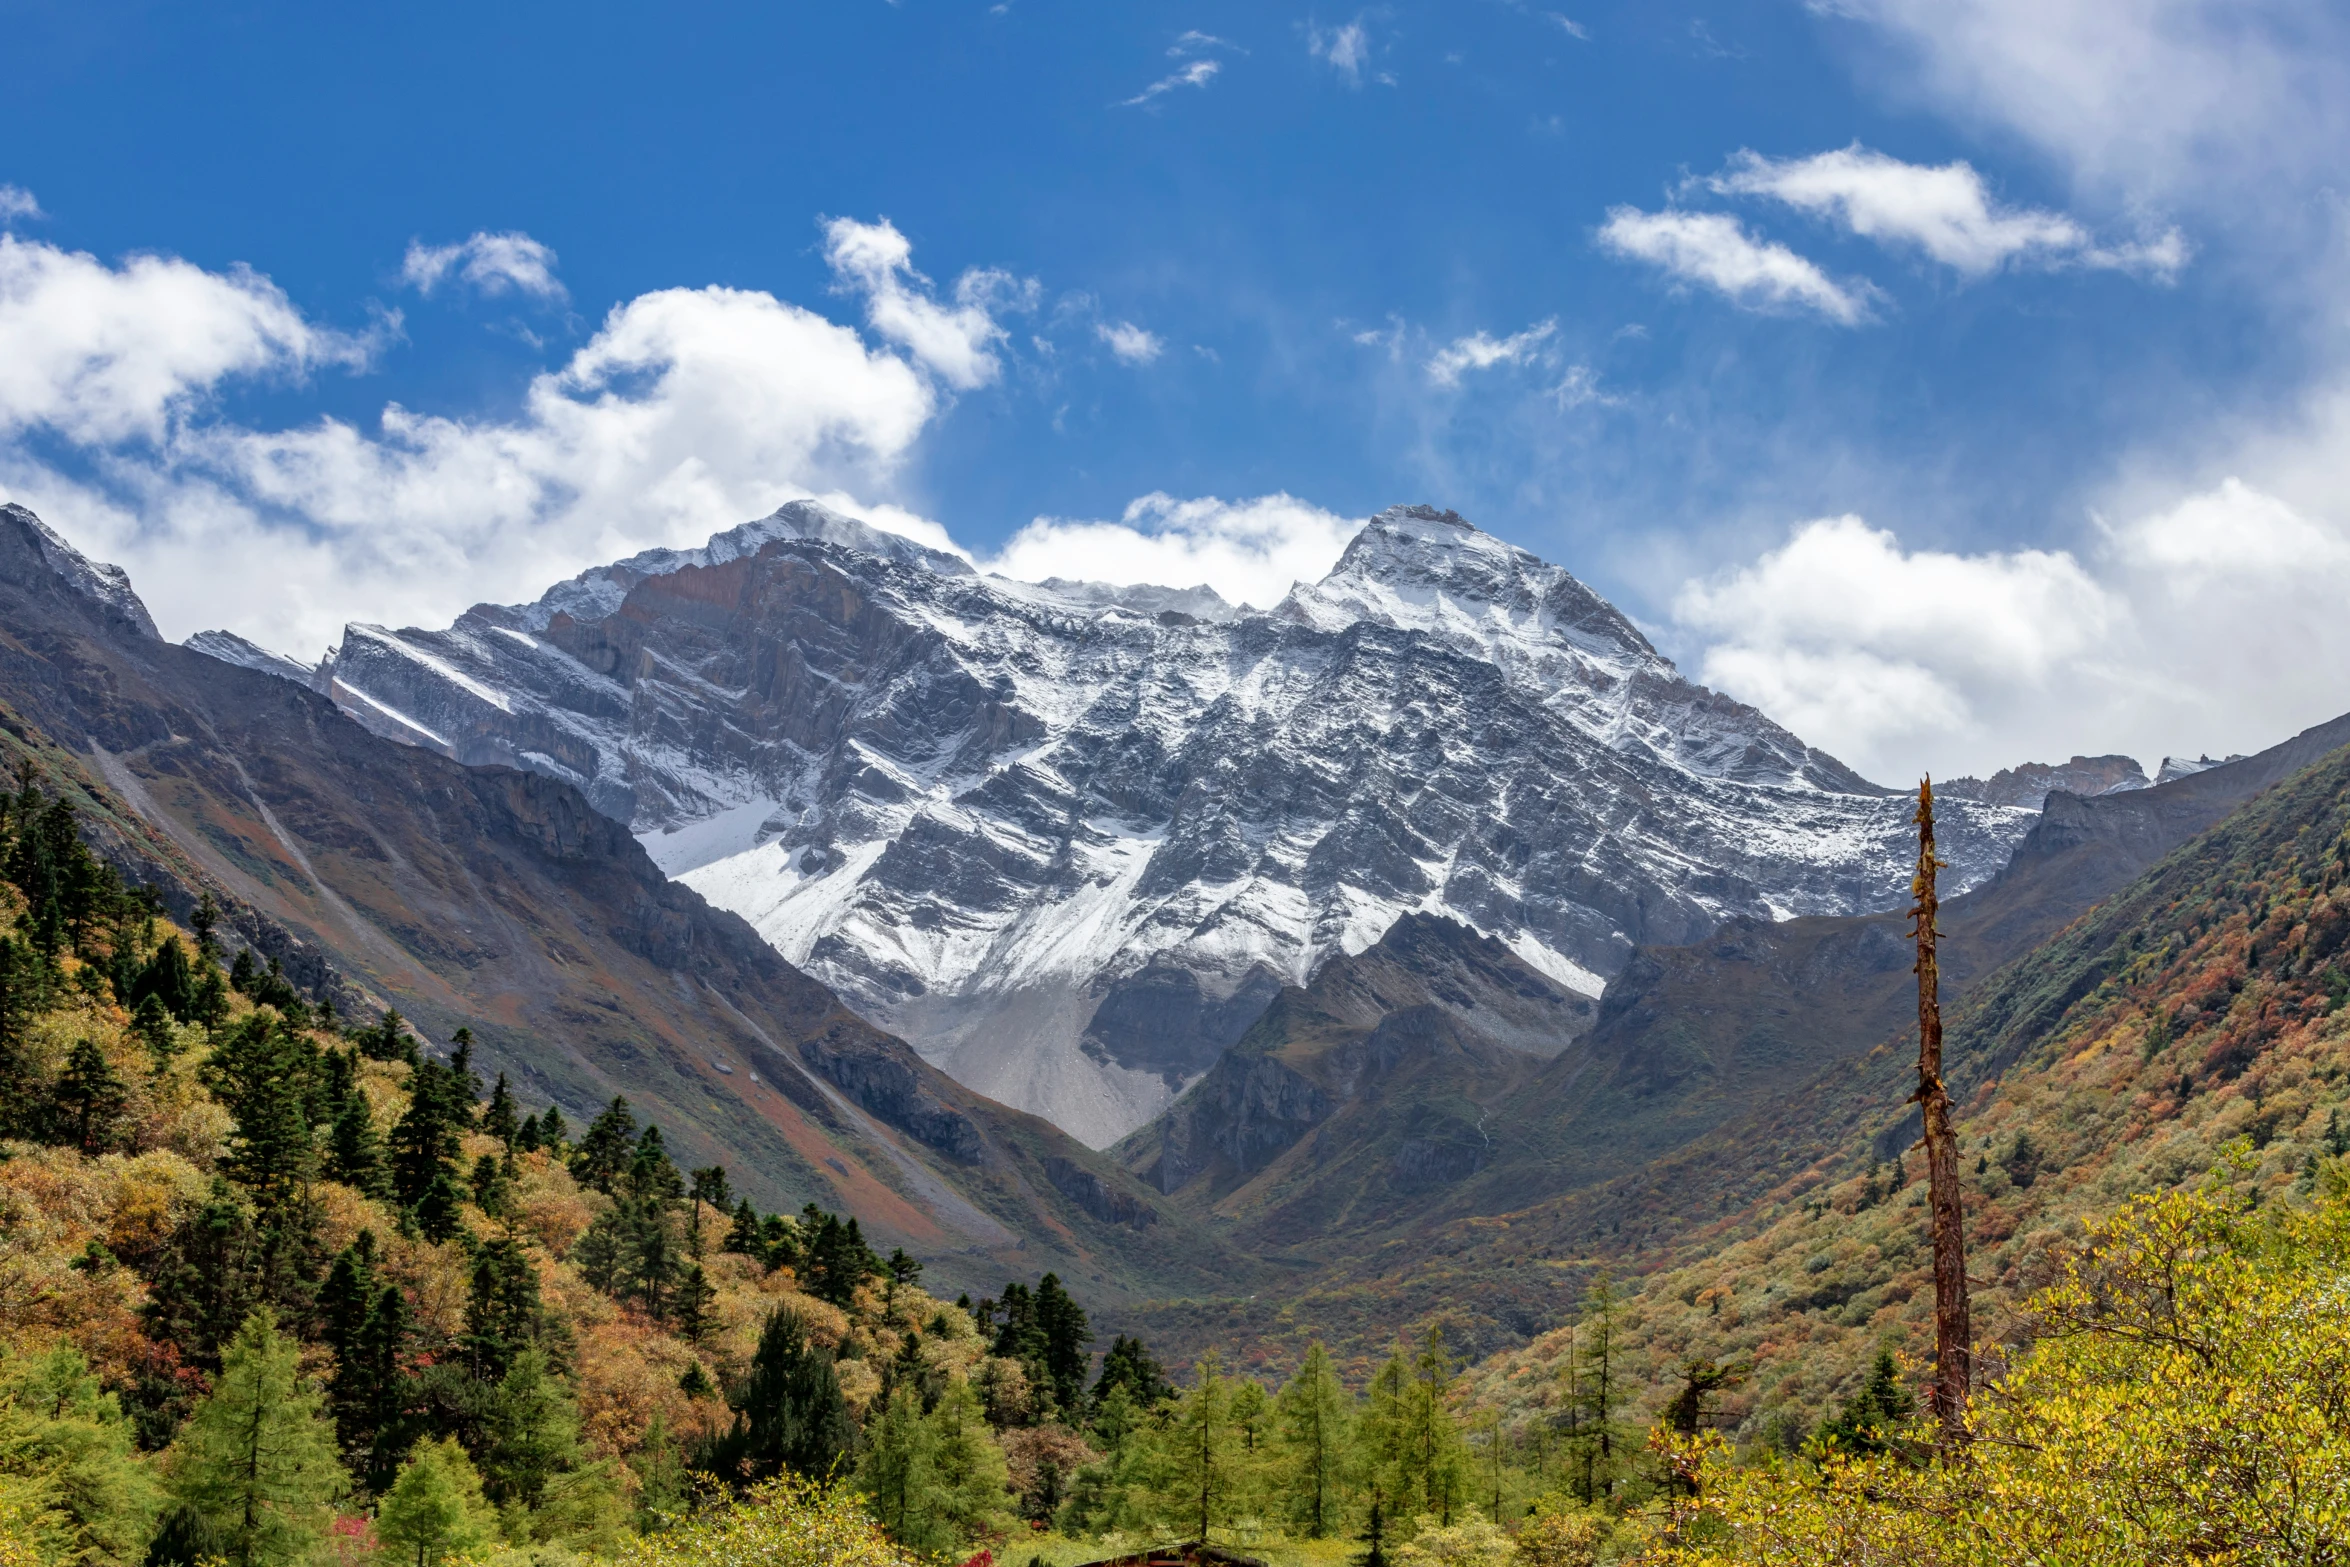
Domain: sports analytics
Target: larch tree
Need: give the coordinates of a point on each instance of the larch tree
(1313, 1419)
(257, 1458)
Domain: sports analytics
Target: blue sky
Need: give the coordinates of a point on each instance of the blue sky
(1891, 362)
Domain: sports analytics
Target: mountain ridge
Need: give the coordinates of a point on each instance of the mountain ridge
(984, 812)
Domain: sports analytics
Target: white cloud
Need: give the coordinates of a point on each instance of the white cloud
(492, 263)
(689, 410)
(2210, 623)
(1248, 551)
(1197, 74)
(99, 354)
(1478, 351)
(954, 341)
(1196, 42)
(1347, 49)
(1944, 210)
(2159, 98)
(1715, 250)
(1570, 26)
(1130, 343)
(16, 203)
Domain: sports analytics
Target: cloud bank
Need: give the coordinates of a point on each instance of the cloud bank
(1248, 551)
(1714, 251)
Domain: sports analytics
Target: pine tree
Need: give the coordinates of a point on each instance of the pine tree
(498, 1119)
(439, 1209)
(1061, 1325)
(606, 1149)
(426, 1137)
(503, 1315)
(1312, 1415)
(973, 1489)
(708, 1186)
(533, 1432)
(88, 1100)
(355, 1155)
(435, 1509)
(1129, 1364)
(526, 1137)
(661, 1477)
(651, 1176)
(370, 1391)
(348, 1295)
(690, 1305)
(186, 1539)
(168, 978)
(261, 1072)
(257, 1458)
(601, 1252)
(207, 1280)
(151, 1026)
(744, 1237)
(789, 1414)
(553, 1132)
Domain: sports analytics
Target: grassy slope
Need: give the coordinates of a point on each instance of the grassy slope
(2200, 1005)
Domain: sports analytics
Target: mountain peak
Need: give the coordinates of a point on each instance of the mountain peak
(107, 586)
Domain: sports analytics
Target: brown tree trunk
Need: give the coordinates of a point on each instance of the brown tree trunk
(1953, 1334)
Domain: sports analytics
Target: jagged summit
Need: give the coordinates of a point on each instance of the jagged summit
(1069, 838)
(105, 585)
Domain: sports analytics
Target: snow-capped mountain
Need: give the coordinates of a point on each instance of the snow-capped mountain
(1067, 839)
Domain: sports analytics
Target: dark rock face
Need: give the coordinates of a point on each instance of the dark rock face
(2030, 785)
(999, 817)
(501, 899)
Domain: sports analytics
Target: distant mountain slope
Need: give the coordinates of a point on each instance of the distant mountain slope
(1715, 1071)
(498, 899)
(2207, 1002)
(986, 812)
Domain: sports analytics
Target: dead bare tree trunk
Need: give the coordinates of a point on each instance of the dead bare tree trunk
(1953, 1333)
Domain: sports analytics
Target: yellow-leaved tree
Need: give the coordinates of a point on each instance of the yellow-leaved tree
(2181, 1395)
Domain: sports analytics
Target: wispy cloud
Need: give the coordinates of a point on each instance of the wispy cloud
(489, 263)
(1945, 210)
(16, 203)
(1196, 42)
(1715, 250)
(1347, 49)
(1480, 351)
(1197, 74)
(1130, 343)
(954, 341)
(1573, 28)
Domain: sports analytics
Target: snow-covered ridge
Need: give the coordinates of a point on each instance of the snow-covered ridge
(1066, 837)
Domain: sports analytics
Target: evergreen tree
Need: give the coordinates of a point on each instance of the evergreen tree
(601, 1252)
(257, 1459)
(835, 1260)
(498, 1119)
(553, 1133)
(1201, 1474)
(606, 1149)
(690, 1306)
(88, 1100)
(789, 1414)
(708, 1186)
(151, 1026)
(207, 1279)
(897, 1471)
(1063, 1333)
(1129, 1364)
(972, 1487)
(348, 1295)
(651, 1176)
(261, 1072)
(438, 1210)
(662, 1481)
(168, 978)
(533, 1433)
(425, 1140)
(186, 1539)
(493, 1192)
(204, 920)
(435, 1509)
(64, 1433)
(526, 1137)
(1872, 1418)
(503, 1315)
(1312, 1415)
(745, 1238)
(1432, 1473)
(355, 1154)
(370, 1391)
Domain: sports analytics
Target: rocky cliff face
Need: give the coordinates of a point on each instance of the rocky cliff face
(1069, 839)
